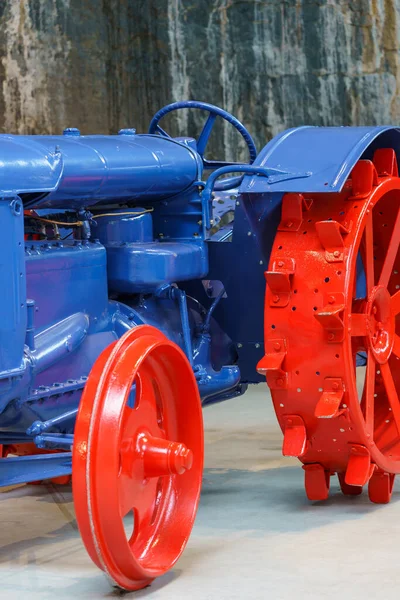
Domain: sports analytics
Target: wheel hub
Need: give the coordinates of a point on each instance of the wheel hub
(381, 324)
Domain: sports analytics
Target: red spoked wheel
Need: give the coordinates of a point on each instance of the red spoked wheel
(333, 293)
(138, 451)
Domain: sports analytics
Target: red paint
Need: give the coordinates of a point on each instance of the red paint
(147, 459)
(321, 325)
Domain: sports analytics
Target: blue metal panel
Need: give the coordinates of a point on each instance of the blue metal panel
(13, 315)
(317, 159)
(66, 278)
(239, 263)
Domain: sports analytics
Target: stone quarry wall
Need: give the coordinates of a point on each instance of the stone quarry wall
(104, 64)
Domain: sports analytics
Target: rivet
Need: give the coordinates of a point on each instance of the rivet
(336, 254)
(331, 336)
(239, 345)
(279, 382)
(280, 263)
(374, 310)
(276, 299)
(335, 386)
(277, 346)
(331, 299)
(249, 233)
(257, 345)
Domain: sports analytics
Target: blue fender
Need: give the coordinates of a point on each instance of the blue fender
(317, 159)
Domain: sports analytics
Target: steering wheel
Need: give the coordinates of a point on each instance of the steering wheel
(214, 112)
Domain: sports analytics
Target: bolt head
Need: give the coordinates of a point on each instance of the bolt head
(336, 254)
(280, 263)
(331, 336)
(289, 224)
(335, 386)
(331, 299)
(276, 299)
(279, 382)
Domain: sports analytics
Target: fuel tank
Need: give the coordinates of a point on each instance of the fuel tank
(75, 171)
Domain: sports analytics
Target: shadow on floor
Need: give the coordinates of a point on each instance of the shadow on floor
(273, 500)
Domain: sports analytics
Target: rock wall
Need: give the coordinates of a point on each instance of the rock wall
(104, 64)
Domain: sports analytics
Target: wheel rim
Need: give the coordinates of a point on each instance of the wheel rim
(318, 320)
(140, 454)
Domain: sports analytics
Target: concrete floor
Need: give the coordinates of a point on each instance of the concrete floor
(256, 535)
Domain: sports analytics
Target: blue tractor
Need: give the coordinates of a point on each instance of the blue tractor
(134, 294)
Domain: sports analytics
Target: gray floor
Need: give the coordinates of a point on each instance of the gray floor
(256, 535)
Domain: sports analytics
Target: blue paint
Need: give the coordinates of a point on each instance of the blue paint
(34, 468)
(81, 171)
(318, 159)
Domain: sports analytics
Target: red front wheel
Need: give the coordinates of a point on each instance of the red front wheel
(138, 452)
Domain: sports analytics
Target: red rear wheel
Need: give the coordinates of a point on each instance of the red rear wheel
(138, 451)
(336, 417)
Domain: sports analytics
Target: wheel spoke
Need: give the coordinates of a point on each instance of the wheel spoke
(129, 490)
(205, 134)
(391, 393)
(370, 391)
(396, 346)
(162, 132)
(391, 253)
(369, 254)
(146, 403)
(395, 303)
(145, 507)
